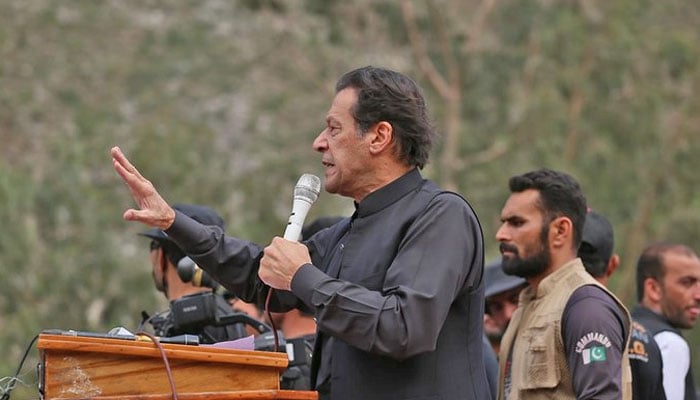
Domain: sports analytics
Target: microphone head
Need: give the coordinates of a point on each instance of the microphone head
(186, 268)
(189, 271)
(307, 188)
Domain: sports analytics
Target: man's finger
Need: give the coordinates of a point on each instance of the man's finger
(124, 162)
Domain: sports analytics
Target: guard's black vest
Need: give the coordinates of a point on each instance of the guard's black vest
(655, 324)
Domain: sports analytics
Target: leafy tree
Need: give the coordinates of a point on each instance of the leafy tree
(218, 102)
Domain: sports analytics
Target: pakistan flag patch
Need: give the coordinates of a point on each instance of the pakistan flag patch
(593, 347)
(593, 354)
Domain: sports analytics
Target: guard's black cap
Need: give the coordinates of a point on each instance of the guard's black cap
(496, 281)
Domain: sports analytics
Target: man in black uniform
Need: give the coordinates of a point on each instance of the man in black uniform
(210, 306)
(596, 253)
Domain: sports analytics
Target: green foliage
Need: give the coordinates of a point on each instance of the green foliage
(218, 102)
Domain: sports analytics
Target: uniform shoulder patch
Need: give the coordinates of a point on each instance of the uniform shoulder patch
(593, 347)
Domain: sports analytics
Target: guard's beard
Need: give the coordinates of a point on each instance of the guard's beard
(528, 267)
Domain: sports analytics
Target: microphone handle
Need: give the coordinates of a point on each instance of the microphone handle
(300, 208)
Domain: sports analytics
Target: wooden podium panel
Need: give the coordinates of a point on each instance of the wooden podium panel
(100, 368)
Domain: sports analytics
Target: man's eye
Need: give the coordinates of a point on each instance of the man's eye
(688, 282)
(495, 307)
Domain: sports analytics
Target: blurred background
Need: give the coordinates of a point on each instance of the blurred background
(217, 102)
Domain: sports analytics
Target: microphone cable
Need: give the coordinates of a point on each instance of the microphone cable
(168, 371)
(14, 379)
(272, 322)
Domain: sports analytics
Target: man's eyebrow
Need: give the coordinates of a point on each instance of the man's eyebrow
(511, 218)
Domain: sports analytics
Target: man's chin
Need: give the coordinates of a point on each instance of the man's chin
(686, 323)
(510, 266)
(330, 188)
(522, 270)
(494, 336)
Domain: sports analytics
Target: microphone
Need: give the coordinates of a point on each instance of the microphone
(305, 194)
(188, 271)
(179, 339)
(139, 337)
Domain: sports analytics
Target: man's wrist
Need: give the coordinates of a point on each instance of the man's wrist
(305, 280)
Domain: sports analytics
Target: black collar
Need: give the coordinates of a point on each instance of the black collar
(389, 194)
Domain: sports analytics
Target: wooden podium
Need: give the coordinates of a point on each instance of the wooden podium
(109, 369)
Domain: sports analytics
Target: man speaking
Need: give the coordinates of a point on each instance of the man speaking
(396, 288)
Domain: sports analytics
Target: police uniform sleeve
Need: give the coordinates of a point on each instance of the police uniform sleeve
(594, 333)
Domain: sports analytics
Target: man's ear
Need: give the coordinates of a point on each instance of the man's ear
(653, 290)
(382, 138)
(163, 261)
(613, 263)
(560, 231)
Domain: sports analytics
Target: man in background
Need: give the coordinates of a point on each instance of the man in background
(252, 310)
(600, 260)
(501, 299)
(501, 296)
(668, 291)
(165, 256)
(568, 337)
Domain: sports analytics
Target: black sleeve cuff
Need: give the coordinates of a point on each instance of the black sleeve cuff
(305, 281)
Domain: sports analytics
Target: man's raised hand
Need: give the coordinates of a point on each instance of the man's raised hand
(152, 210)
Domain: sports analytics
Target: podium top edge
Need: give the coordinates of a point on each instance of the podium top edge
(50, 342)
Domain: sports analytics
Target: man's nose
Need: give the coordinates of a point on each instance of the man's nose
(501, 233)
(508, 309)
(696, 291)
(320, 143)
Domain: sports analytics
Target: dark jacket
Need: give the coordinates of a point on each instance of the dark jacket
(655, 323)
(396, 289)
